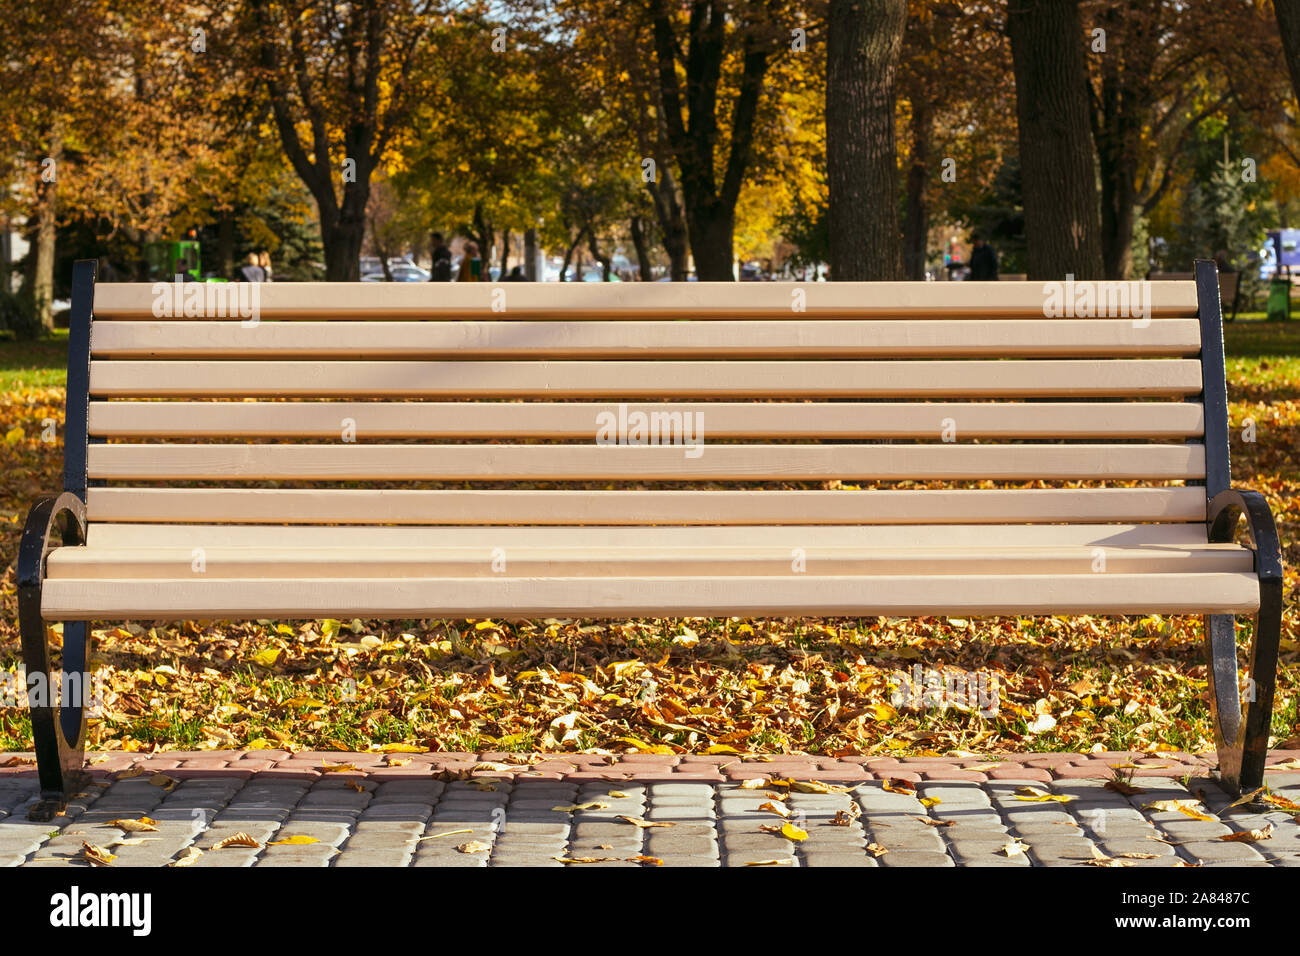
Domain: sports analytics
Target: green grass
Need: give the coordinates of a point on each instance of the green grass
(38, 364)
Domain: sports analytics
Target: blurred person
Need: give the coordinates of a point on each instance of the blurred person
(471, 266)
(264, 260)
(252, 270)
(983, 260)
(440, 270)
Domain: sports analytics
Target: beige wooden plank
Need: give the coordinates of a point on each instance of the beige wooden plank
(866, 537)
(243, 563)
(791, 595)
(632, 339)
(355, 462)
(714, 507)
(956, 379)
(503, 420)
(638, 300)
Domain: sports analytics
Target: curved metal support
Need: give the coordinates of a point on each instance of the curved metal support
(58, 730)
(1242, 739)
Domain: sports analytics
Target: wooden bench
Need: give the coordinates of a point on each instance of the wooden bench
(397, 451)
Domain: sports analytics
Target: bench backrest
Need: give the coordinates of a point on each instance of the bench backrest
(480, 404)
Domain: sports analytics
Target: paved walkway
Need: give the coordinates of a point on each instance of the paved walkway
(516, 810)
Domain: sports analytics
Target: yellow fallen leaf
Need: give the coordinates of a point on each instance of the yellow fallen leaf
(1245, 798)
(573, 807)
(1191, 808)
(816, 786)
(1038, 795)
(1292, 763)
(585, 859)
(1015, 848)
(400, 749)
(239, 839)
(187, 857)
(164, 781)
(645, 860)
(755, 783)
(296, 840)
(792, 832)
(722, 749)
(327, 767)
(643, 747)
(779, 809)
(96, 855)
(875, 849)
(143, 825)
(474, 846)
(930, 801)
(617, 795)
(785, 862)
(643, 824)
(267, 656)
(899, 785)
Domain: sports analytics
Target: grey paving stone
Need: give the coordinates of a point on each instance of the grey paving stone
(443, 861)
(1217, 851)
(358, 858)
(826, 859)
(915, 858)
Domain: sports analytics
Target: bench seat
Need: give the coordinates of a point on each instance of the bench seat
(786, 570)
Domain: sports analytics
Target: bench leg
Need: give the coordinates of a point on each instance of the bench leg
(58, 710)
(1241, 736)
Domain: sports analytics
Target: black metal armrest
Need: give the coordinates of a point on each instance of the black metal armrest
(1223, 512)
(52, 523)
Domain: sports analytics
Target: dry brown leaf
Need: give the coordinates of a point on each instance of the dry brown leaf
(474, 846)
(777, 808)
(875, 849)
(1119, 786)
(899, 785)
(162, 780)
(930, 822)
(188, 856)
(785, 862)
(573, 807)
(96, 855)
(646, 860)
(1249, 836)
(239, 839)
(644, 824)
(143, 825)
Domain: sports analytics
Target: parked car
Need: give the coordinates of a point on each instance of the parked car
(400, 272)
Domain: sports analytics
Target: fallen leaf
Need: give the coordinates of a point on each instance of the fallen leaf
(585, 859)
(928, 802)
(646, 860)
(1013, 849)
(239, 839)
(1191, 808)
(187, 857)
(792, 832)
(1119, 786)
(143, 825)
(875, 849)
(164, 781)
(474, 846)
(326, 767)
(297, 840)
(574, 807)
(779, 809)
(786, 862)
(96, 855)
(1249, 836)
(1037, 795)
(643, 824)
(757, 783)
(898, 785)
(936, 823)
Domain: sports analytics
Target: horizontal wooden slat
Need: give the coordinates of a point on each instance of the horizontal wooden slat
(355, 462)
(739, 339)
(902, 379)
(865, 537)
(794, 595)
(504, 420)
(600, 562)
(380, 506)
(633, 300)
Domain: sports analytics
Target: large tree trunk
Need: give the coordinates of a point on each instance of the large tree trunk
(916, 223)
(226, 244)
(672, 223)
(46, 210)
(505, 254)
(712, 229)
(1058, 173)
(1288, 24)
(530, 254)
(863, 41)
(642, 246)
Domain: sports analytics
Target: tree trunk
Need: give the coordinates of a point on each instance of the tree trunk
(672, 223)
(1058, 173)
(1288, 24)
(505, 253)
(568, 258)
(642, 246)
(863, 41)
(226, 244)
(46, 210)
(606, 262)
(712, 230)
(916, 224)
(530, 254)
